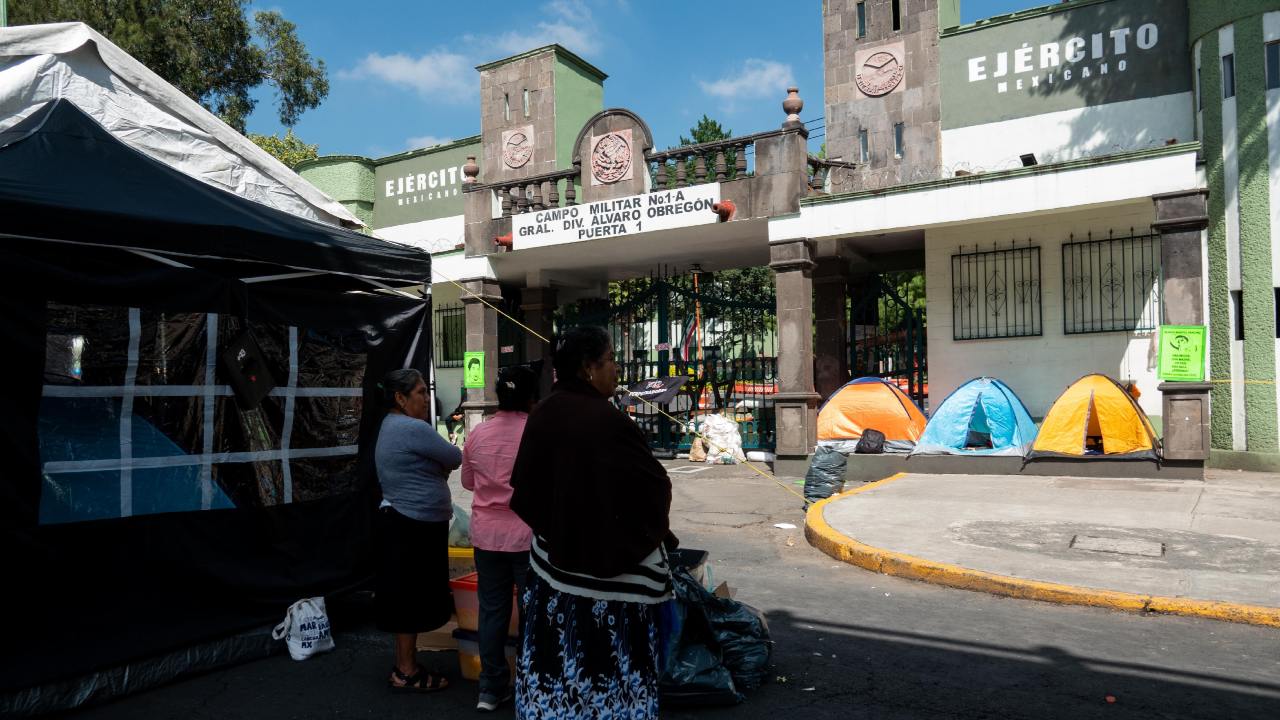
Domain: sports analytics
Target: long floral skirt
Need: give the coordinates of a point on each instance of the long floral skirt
(586, 658)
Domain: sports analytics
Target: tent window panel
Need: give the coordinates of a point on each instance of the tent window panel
(171, 348)
(170, 489)
(167, 426)
(79, 429)
(79, 496)
(86, 345)
(996, 294)
(272, 339)
(250, 484)
(325, 422)
(315, 478)
(330, 358)
(236, 429)
(1111, 285)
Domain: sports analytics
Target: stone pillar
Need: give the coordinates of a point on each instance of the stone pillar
(482, 335)
(539, 304)
(1181, 218)
(831, 322)
(796, 403)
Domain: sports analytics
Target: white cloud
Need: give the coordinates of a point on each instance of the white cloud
(439, 74)
(569, 23)
(425, 141)
(755, 79)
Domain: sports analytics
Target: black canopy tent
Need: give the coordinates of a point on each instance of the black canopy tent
(143, 507)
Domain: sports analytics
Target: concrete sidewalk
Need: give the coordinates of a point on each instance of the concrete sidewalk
(1208, 548)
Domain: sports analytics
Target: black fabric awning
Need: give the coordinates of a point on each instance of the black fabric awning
(64, 178)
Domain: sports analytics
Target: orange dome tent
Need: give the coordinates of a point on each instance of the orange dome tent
(1096, 418)
(871, 403)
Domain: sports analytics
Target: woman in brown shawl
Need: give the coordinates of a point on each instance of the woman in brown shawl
(597, 501)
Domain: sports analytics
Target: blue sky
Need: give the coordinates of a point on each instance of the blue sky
(401, 74)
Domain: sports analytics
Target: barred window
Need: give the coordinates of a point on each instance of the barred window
(451, 335)
(1111, 285)
(996, 294)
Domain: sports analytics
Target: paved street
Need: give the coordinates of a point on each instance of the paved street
(850, 644)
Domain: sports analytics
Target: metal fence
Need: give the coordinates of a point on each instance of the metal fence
(1111, 285)
(719, 330)
(451, 335)
(996, 294)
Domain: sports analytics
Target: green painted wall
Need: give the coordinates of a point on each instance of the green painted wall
(422, 184)
(345, 178)
(1255, 237)
(579, 95)
(1209, 15)
(1220, 331)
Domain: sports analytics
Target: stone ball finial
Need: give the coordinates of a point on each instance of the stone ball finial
(792, 106)
(470, 170)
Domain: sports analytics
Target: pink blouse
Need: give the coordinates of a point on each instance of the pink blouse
(487, 460)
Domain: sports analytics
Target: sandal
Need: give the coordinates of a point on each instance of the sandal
(421, 681)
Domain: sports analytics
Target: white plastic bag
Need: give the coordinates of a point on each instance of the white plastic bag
(460, 528)
(724, 441)
(305, 629)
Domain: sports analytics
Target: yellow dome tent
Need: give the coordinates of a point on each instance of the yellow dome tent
(1096, 418)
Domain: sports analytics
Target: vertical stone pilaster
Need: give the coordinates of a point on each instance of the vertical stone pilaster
(1181, 219)
(539, 304)
(831, 366)
(482, 335)
(796, 402)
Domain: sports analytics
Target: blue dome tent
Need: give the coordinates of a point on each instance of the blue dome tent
(982, 417)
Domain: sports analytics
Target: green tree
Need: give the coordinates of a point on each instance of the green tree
(209, 49)
(287, 149)
(707, 130)
(909, 286)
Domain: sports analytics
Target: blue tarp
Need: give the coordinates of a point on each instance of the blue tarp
(982, 417)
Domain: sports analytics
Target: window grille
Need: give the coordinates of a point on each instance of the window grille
(996, 294)
(1111, 285)
(451, 335)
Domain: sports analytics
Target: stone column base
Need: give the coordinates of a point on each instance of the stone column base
(797, 423)
(1186, 420)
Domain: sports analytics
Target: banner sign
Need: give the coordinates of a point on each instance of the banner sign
(473, 369)
(1181, 353)
(662, 210)
(1064, 58)
(425, 185)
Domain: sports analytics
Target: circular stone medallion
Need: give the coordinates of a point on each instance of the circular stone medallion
(610, 158)
(517, 151)
(879, 74)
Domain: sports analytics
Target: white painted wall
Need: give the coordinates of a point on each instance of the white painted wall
(1070, 134)
(434, 236)
(1037, 368)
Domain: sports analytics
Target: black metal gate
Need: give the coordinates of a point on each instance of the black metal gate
(718, 329)
(887, 335)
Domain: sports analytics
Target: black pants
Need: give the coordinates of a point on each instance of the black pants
(499, 573)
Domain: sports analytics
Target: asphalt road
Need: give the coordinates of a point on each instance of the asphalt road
(849, 644)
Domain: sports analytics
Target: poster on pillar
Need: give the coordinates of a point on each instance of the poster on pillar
(473, 369)
(619, 217)
(1182, 353)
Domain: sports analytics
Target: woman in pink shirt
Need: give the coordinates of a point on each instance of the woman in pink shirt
(501, 540)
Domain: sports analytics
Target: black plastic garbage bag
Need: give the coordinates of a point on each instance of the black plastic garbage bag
(717, 647)
(825, 476)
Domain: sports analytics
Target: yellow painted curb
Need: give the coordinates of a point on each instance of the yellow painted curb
(842, 547)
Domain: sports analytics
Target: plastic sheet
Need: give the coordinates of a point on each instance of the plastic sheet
(825, 476)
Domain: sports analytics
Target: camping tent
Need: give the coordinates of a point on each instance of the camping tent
(981, 417)
(71, 61)
(1096, 418)
(870, 403)
(144, 507)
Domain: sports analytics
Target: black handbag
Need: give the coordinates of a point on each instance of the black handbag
(871, 443)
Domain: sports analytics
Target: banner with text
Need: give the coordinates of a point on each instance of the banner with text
(663, 210)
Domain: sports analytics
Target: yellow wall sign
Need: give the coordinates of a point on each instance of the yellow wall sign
(1182, 353)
